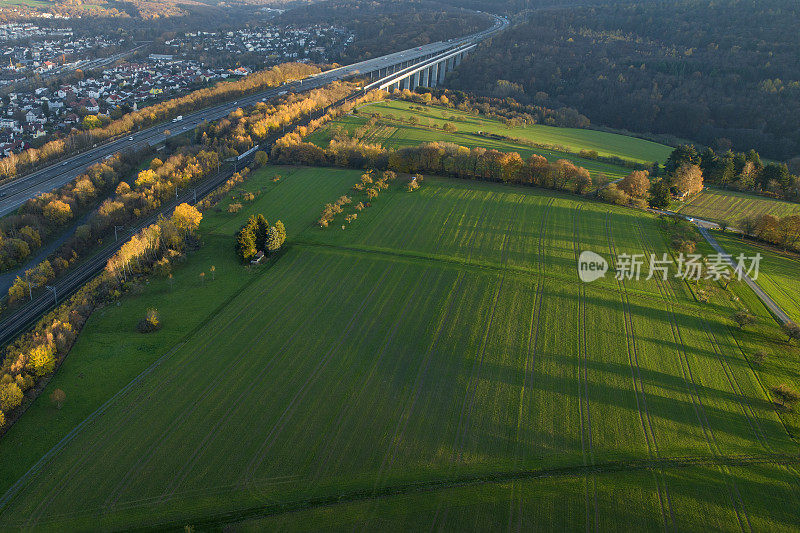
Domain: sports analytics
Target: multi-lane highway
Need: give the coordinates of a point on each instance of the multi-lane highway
(16, 192)
(46, 179)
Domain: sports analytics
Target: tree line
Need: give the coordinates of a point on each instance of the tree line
(43, 217)
(445, 159)
(33, 357)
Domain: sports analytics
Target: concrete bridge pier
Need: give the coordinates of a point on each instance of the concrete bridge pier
(442, 67)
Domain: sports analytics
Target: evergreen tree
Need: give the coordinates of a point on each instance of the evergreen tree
(659, 194)
(683, 154)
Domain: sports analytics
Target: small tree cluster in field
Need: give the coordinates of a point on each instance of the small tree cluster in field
(683, 236)
(414, 183)
(58, 397)
(785, 396)
(633, 189)
(257, 235)
(791, 330)
(330, 211)
(234, 207)
(150, 323)
(743, 319)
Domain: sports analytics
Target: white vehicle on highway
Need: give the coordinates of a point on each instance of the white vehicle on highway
(178, 118)
(130, 138)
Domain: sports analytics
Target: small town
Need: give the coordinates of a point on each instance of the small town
(30, 117)
(313, 43)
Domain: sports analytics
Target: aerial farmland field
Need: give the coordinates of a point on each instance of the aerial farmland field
(474, 130)
(436, 363)
(730, 207)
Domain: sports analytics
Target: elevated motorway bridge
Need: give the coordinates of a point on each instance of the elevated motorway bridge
(422, 66)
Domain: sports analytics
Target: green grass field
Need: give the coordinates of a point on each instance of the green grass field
(778, 273)
(730, 207)
(28, 3)
(435, 364)
(570, 140)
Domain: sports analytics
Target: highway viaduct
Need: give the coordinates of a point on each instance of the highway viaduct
(422, 66)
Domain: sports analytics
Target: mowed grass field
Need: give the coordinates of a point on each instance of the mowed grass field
(435, 364)
(731, 207)
(398, 134)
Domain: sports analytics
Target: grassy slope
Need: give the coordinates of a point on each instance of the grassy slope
(441, 335)
(569, 139)
(731, 206)
(573, 139)
(109, 352)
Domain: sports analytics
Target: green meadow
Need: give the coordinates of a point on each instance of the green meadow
(436, 363)
(478, 131)
(730, 207)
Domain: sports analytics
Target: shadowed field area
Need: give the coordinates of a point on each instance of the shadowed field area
(436, 363)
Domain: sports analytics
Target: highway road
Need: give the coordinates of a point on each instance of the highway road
(16, 192)
(29, 186)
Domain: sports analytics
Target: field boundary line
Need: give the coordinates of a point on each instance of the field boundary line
(467, 480)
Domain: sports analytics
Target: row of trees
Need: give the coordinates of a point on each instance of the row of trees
(45, 216)
(781, 231)
(157, 184)
(368, 188)
(439, 158)
(18, 164)
(505, 109)
(35, 355)
(152, 188)
(156, 244)
(256, 235)
(740, 170)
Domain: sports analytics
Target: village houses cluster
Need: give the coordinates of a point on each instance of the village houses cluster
(316, 42)
(31, 116)
(28, 48)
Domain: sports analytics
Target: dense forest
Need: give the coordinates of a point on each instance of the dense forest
(386, 27)
(724, 73)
